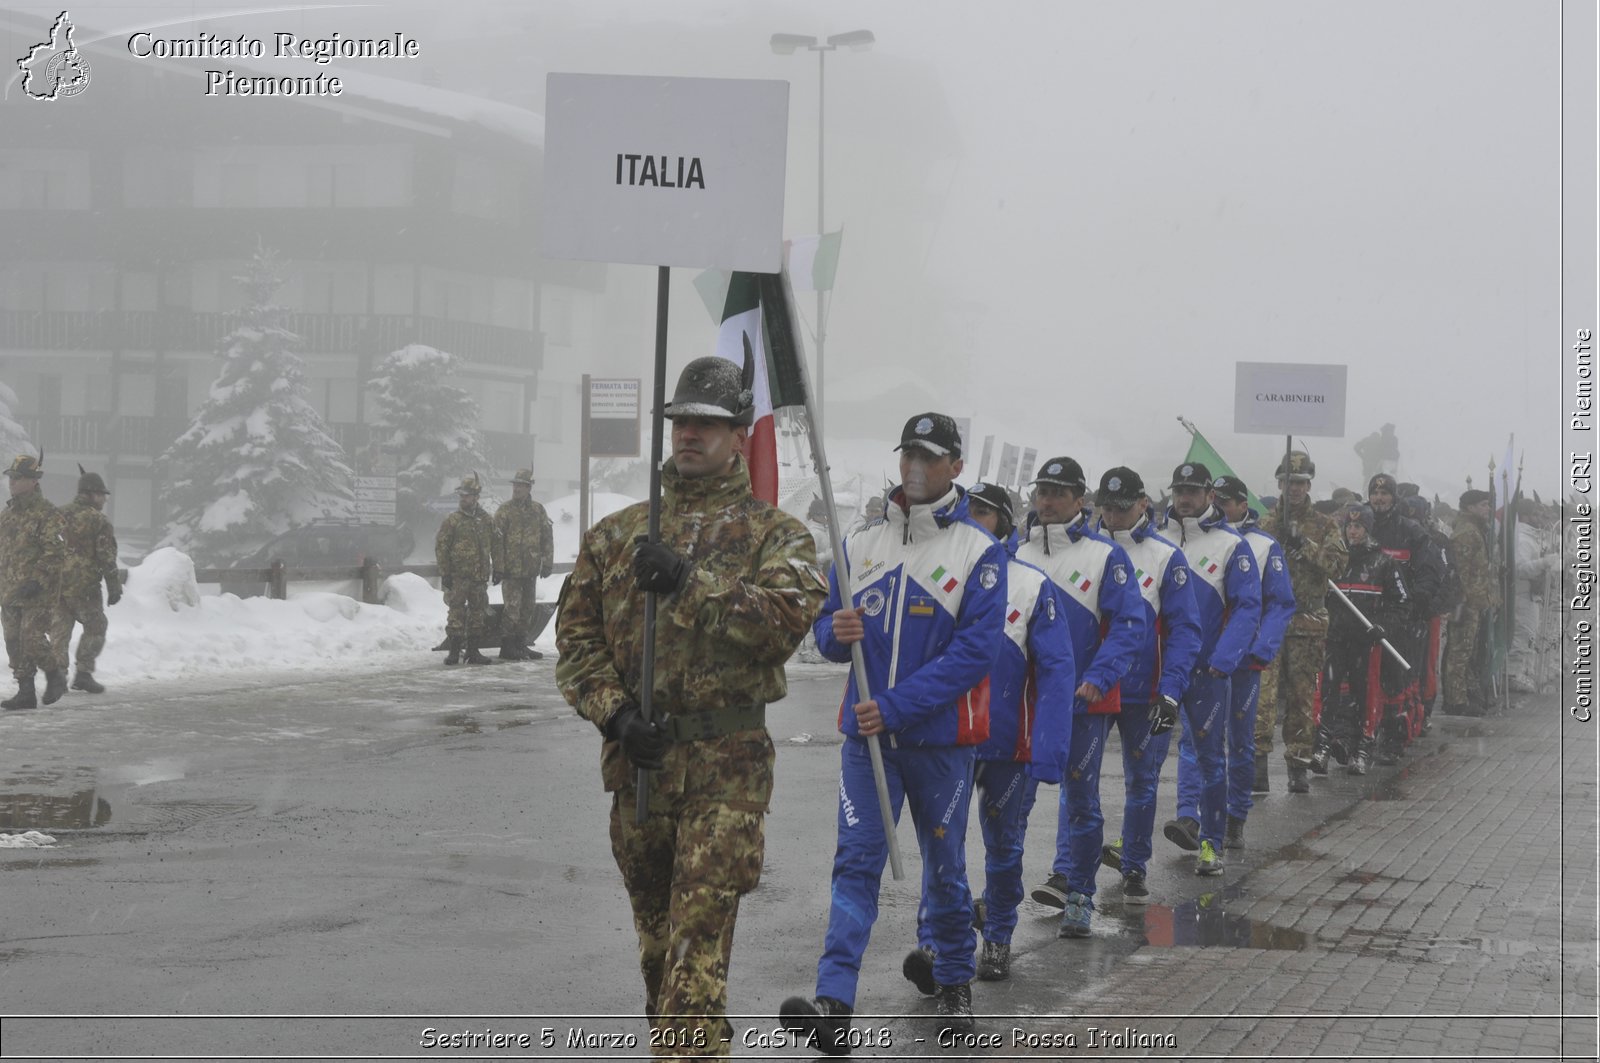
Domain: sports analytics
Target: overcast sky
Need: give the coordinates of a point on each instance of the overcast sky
(1069, 220)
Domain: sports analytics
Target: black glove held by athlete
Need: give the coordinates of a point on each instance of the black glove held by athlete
(1164, 715)
(644, 744)
(659, 568)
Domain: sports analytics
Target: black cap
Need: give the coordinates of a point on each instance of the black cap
(1357, 513)
(1119, 487)
(992, 495)
(1191, 474)
(1062, 471)
(1383, 481)
(1231, 488)
(1474, 496)
(934, 432)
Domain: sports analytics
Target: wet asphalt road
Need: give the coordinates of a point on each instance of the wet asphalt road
(427, 847)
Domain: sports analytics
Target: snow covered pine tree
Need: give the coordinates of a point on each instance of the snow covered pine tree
(429, 426)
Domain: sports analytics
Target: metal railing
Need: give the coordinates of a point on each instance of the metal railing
(188, 330)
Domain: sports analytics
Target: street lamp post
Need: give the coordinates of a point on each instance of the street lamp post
(788, 44)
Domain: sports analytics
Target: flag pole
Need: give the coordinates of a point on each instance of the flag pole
(841, 563)
(647, 667)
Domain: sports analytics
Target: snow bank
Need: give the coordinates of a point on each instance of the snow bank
(28, 839)
(163, 629)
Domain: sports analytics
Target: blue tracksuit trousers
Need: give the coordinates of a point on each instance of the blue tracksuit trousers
(1143, 755)
(1080, 830)
(1005, 794)
(1203, 757)
(936, 784)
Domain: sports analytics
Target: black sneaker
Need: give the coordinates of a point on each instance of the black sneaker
(1134, 891)
(953, 1005)
(1234, 837)
(1053, 894)
(918, 969)
(1184, 832)
(994, 962)
(822, 1023)
(1111, 855)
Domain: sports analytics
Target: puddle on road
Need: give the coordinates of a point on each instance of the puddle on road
(1205, 922)
(46, 812)
(461, 723)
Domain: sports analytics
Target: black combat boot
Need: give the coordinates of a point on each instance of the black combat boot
(55, 685)
(822, 1023)
(454, 646)
(473, 656)
(1234, 838)
(1363, 758)
(994, 961)
(1263, 783)
(510, 650)
(1299, 782)
(918, 969)
(953, 1005)
(85, 681)
(531, 654)
(25, 697)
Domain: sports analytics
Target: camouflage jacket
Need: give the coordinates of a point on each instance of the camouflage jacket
(464, 548)
(752, 593)
(1320, 556)
(91, 554)
(1469, 551)
(523, 545)
(31, 548)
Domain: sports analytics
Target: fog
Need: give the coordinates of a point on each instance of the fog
(1069, 221)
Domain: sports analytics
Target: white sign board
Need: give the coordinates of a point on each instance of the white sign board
(665, 171)
(614, 398)
(375, 483)
(1288, 398)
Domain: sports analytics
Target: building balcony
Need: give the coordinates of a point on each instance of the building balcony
(183, 330)
(103, 434)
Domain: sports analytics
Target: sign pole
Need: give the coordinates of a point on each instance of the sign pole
(583, 462)
(647, 668)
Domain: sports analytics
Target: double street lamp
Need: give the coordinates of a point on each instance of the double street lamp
(788, 44)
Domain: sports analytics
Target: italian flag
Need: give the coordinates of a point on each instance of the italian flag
(741, 321)
(946, 584)
(1208, 566)
(1142, 578)
(1075, 577)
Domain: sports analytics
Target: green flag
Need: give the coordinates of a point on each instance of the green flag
(1202, 452)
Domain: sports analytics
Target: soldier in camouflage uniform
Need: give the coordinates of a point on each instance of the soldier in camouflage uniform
(737, 587)
(1480, 592)
(464, 550)
(1316, 553)
(91, 557)
(524, 551)
(31, 555)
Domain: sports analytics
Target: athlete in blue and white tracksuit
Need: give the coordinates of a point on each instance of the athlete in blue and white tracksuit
(1228, 594)
(931, 588)
(1163, 666)
(1030, 725)
(1106, 618)
(1277, 609)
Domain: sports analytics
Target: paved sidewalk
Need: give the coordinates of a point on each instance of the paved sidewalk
(1447, 914)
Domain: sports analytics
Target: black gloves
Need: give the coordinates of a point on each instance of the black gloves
(658, 568)
(1375, 633)
(31, 589)
(496, 578)
(544, 570)
(644, 744)
(444, 583)
(1163, 716)
(113, 593)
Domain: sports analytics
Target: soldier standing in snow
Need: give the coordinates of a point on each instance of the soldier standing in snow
(737, 586)
(524, 550)
(31, 555)
(464, 550)
(91, 556)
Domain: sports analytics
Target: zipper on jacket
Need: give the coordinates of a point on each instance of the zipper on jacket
(894, 644)
(888, 614)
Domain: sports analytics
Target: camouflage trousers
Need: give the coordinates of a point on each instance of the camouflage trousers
(517, 615)
(89, 610)
(1461, 687)
(1291, 687)
(685, 869)
(27, 631)
(469, 610)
